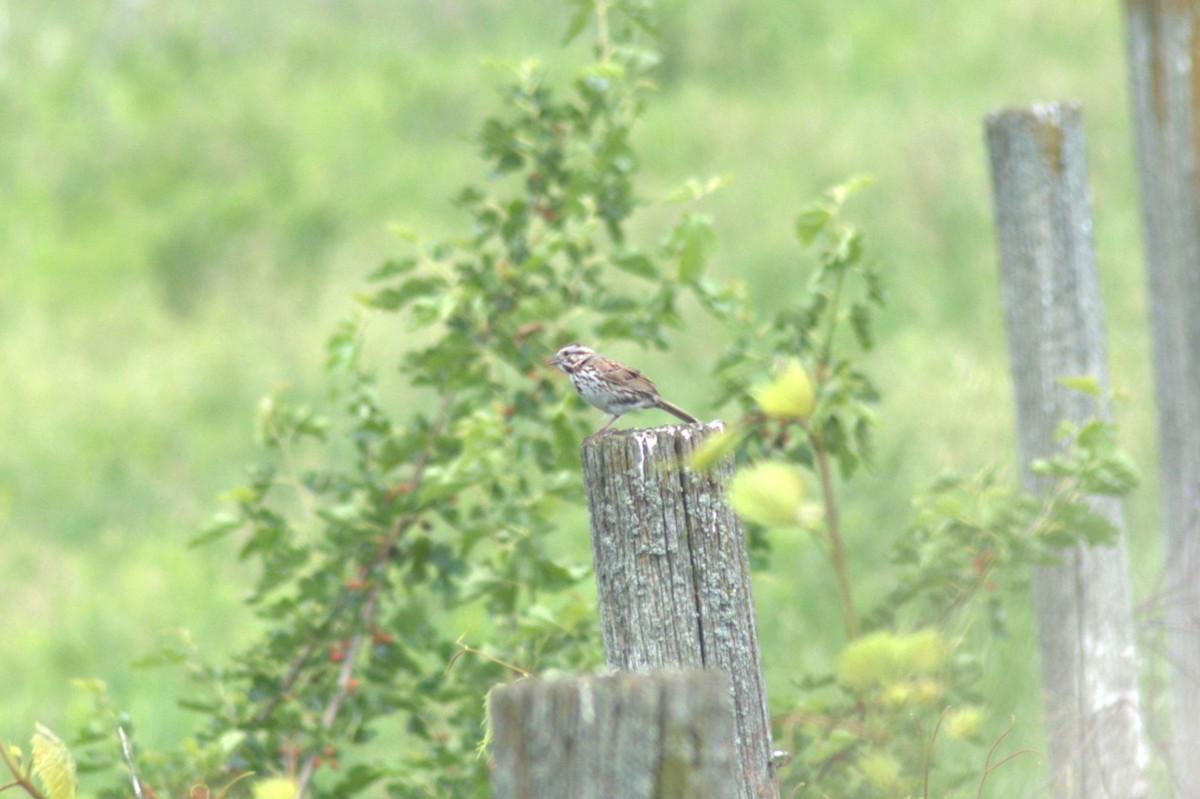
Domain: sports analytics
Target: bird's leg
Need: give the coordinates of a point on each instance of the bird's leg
(607, 424)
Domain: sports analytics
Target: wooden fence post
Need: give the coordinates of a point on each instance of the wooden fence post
(1161, 38)
(1055, 329)
(665, 735)
(673, 576)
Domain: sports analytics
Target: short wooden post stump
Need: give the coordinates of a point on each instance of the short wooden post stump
(666, 735)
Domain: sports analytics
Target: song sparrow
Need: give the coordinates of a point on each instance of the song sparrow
(610, 386)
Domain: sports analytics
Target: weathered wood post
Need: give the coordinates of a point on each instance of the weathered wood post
(1055, 329)
(664, 735)
(1161, 38)
(674, 578)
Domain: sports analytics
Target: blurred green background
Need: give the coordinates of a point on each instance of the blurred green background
(190, 191)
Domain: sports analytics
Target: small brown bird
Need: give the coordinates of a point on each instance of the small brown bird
(610, 386)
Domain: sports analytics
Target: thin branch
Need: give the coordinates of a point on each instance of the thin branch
(837, 551)
(603, 47)
(988, 768)
(927, 750)
(296, 668)
(345, 674)
(834, 319)
(20, 778)
(128, 752)
(464, 649)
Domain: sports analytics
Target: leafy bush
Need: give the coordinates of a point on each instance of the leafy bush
(383, 530)
(909, 668)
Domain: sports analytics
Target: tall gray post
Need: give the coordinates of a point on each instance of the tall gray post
(1161, 39)
(1055, 329)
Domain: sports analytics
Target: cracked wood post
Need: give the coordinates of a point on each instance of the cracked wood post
(665, 735)
(673, 577)
(1055, 329)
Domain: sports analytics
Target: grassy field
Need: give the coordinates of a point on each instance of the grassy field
(189, 193)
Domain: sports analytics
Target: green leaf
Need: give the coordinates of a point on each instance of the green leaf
(698, 239)
(1086, 383)
(579, 20)
(1116, 476)
(343, 347)
(875, 290)
(171, 652)
(847, 249)
(392, 268)
(219, 525)
(230, 741)
(392, 298)
(811, 222)
(694, 189)
(552, 576)
(1096, 529)
(638, 12)
(615, 327)
(356, 778)
(636, 264)
(198, 705)
(860, 322)
(406, 232)
(844, 191)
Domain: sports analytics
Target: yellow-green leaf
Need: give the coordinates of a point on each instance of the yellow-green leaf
(694, 189)
(868, 661)
(789, 396)
(884, 657)
(53, 764)
(1085, 383)
(963, 722)
(843, 191)
(714, 448)
(883, 772)
(923, 652)
(770, 493)
(275, 788)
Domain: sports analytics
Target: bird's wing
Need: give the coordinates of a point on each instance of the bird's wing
(628, 376)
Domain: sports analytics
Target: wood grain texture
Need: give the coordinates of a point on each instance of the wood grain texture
(673, 576)
(663, 735)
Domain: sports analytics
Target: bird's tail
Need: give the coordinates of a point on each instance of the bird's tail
(677, 411)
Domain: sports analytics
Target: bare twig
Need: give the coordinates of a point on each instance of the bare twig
(344, 689)
(128, 752)
(464, 649)
(833, 526)
(20, 776)
(927, 749)
(988, 768)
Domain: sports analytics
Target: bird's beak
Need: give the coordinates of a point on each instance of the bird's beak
(553, 361)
